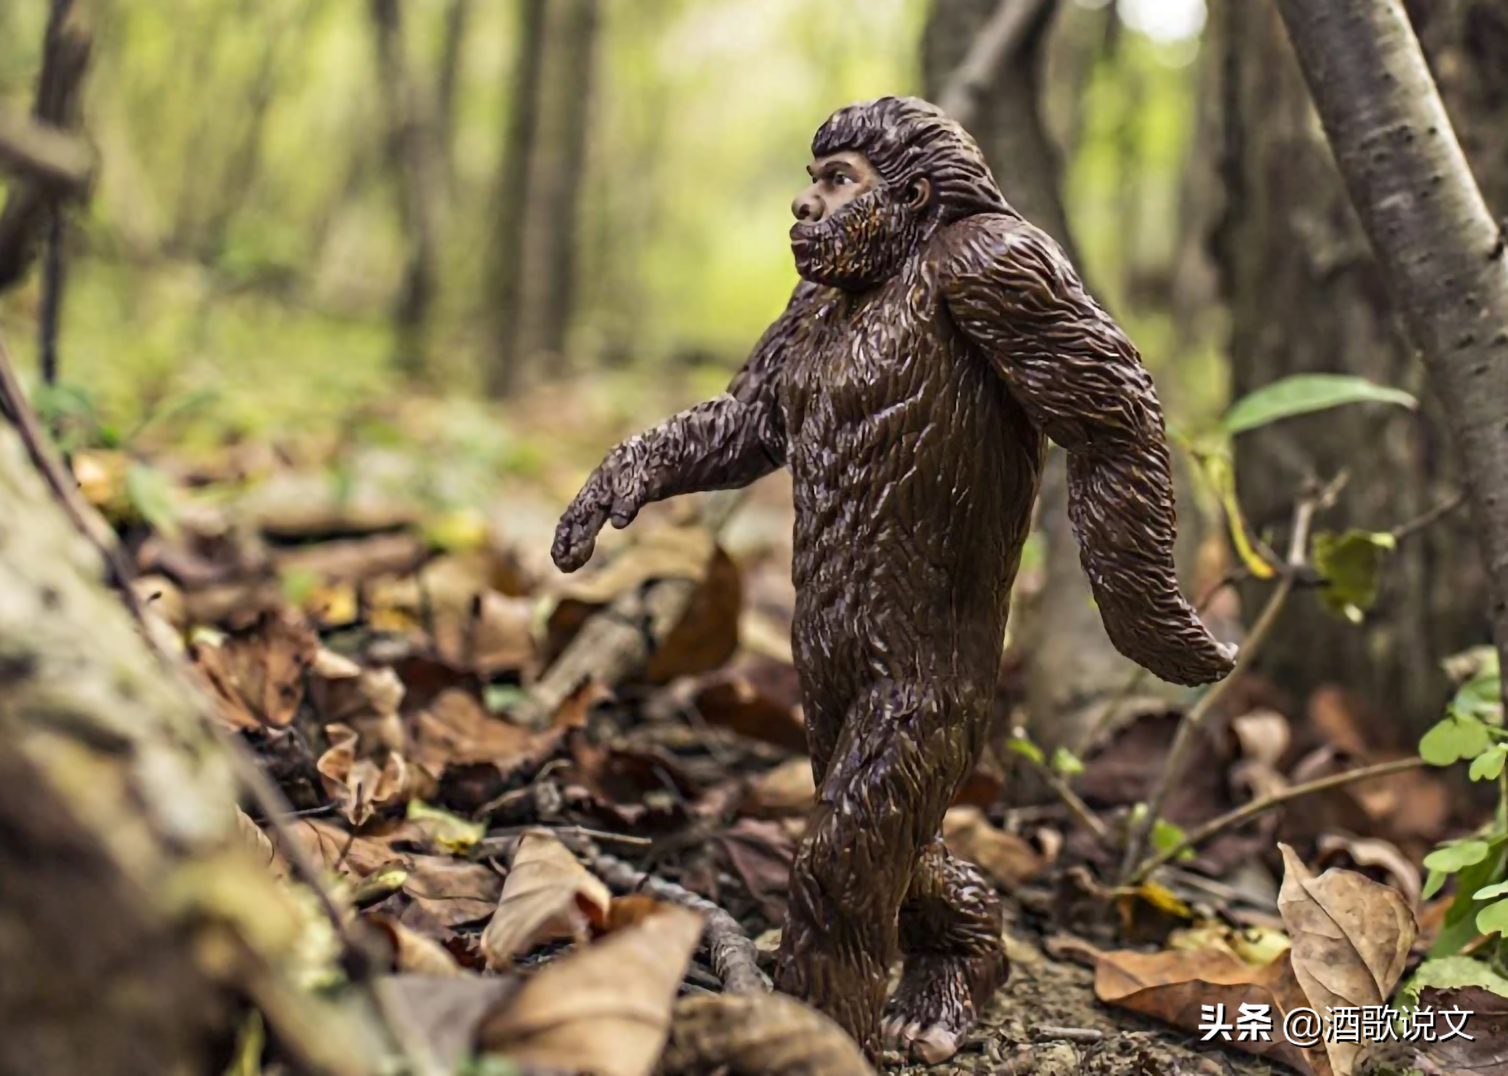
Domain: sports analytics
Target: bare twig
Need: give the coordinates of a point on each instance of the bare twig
(1048, 1033)
(1428, 517)
(993, 47)
(1246, 812)
(733, 954)
(1076, 807)
(43, 154)
(1193, 721)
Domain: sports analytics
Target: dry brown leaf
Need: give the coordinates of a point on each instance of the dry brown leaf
(788, 789)
(337, 850)
(444, 1013)
(1377, 854)
(1485, 1053)
(359, 782)
(258, 674)
(603, 1009)
(757, 698)
(1351, 940)
(259, 844)
(457, 730)
(449, 892)
(413, 952)
(1173, 986)
(1005, 858)
(548, 895)
(770, 1034)
(760, 853)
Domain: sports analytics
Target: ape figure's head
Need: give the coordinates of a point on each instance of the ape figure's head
(884, 174)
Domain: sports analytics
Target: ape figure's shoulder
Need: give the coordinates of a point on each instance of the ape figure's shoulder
(1002, 250)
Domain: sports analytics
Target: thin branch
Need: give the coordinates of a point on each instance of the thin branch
(1193, 720)
(1429, 517)
(993, 47)
(733, 954)
(1246, 812)
(1076, 807)
(44, 154)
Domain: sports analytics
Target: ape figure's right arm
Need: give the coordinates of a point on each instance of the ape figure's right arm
(723, 443)
(1080, 380)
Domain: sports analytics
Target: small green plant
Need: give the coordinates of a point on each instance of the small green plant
(1472, 731)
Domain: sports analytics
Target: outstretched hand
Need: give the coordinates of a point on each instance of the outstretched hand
(604, 497)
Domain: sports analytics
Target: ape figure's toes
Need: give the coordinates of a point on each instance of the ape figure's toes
(937, 1002)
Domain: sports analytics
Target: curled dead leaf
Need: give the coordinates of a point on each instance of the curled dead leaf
(1005, 858)
(1351, 940)
(758, 1035)
(548, 894)
(603, 1009)
(358, 779)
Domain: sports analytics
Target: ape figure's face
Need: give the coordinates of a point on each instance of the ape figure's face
(853, 231)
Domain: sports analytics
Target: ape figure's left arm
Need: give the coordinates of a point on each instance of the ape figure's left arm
(1011, 290)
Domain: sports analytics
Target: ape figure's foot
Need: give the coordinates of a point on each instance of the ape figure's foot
(937, 1002)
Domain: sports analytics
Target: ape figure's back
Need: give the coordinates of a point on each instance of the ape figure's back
(936, 342)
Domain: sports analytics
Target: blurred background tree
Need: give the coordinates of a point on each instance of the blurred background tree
(313, 215)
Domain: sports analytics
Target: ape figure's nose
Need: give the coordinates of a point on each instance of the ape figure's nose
(807, 207)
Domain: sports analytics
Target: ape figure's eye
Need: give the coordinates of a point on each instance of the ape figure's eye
(839, 179)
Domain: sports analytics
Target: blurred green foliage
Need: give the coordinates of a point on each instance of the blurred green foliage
(244, 243)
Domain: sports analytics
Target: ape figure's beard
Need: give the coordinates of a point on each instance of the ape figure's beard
(859, 246)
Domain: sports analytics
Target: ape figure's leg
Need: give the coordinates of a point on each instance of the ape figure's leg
(950, 927)
(896, 765)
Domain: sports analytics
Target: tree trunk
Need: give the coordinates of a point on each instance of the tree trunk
(28, 205)
(506, 284)
(412, 156)
(134, 923)
(457, 23)
(1072, 669)
(542, 170)
(1441, 251)
(1306, 295)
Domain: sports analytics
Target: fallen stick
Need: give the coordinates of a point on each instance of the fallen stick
(621, 637)
(733, 954)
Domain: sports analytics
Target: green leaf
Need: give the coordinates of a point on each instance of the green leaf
(1166, 836)
(1488, 766)
(1493, 919)
(1488, 892)
(1220, 473)
(1456, 855)
(1305, 393)
(1065, 763)
(1433, 884)
(1451, 973)
(1022, 746)
(1352, 565)
(1460, 928)
(1453, 739)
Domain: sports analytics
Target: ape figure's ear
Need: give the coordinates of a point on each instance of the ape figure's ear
(918, 194)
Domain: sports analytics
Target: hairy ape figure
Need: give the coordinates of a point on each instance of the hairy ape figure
(935, 342)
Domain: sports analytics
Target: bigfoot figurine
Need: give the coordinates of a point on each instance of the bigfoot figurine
(935, 342)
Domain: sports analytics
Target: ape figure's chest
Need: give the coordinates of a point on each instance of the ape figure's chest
(873, 360)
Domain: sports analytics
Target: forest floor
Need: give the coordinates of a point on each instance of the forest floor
(490, 760)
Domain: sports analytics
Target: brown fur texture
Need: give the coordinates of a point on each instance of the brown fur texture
(911, 390)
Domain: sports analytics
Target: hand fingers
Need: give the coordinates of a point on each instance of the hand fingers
(576, 536)
(624, 511)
